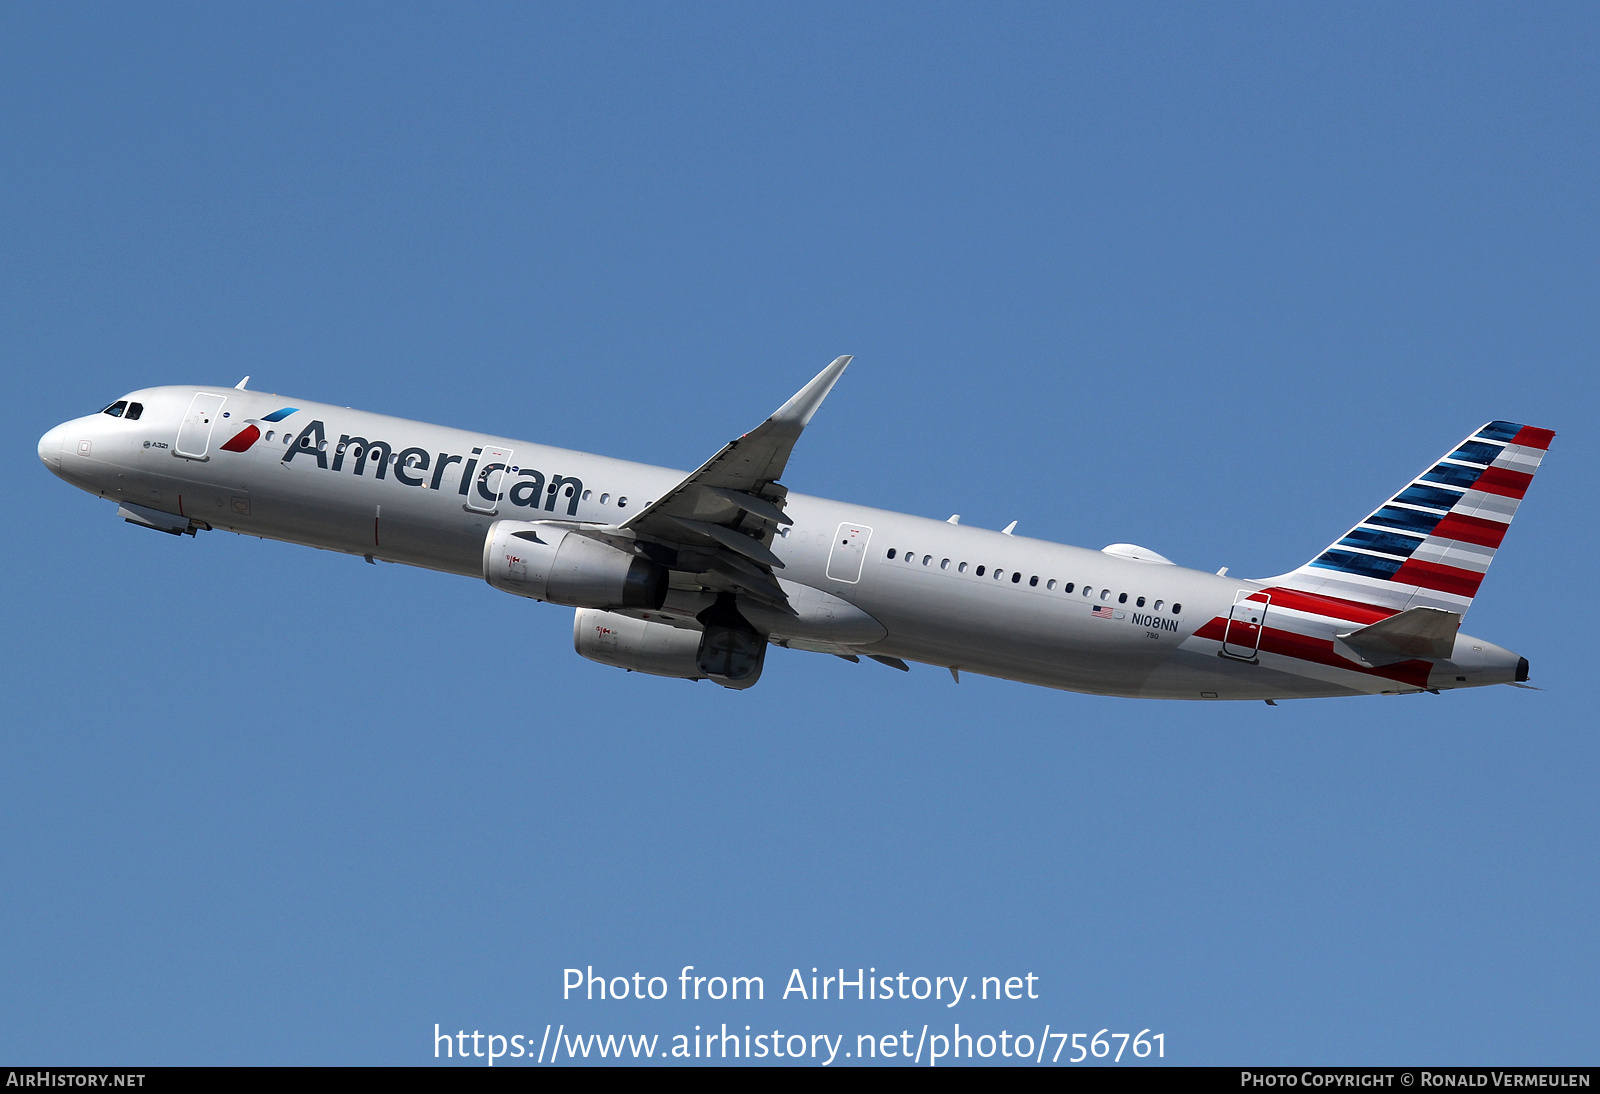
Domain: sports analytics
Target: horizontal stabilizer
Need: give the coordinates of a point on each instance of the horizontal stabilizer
(1425, 633)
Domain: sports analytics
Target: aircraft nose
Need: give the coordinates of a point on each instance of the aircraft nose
(50, 447)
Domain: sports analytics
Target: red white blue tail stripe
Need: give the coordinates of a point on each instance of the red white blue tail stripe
(1430, 544)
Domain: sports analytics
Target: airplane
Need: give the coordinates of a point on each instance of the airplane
(696, 576)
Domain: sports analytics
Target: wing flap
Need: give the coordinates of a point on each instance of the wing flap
(750, 503)
(734, 541)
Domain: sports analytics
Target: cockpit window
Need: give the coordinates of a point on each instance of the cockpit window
(134, 410)
(116, 408)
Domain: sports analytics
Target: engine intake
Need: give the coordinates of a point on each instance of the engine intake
(537, 560)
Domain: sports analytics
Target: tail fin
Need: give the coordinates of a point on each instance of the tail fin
(1430, 544)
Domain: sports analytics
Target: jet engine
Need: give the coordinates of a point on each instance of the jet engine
(538, 560)
(731, 657)
(636, 645)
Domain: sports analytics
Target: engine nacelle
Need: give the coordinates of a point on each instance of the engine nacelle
(634, 644)
(730, 657)
(533, 559)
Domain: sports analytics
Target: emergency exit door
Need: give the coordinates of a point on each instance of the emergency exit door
(1242, 637)
(849, 552)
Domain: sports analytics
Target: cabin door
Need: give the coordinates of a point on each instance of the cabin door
(194, 435)
(494, 465)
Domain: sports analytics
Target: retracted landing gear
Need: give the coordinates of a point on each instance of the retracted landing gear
(732, 652)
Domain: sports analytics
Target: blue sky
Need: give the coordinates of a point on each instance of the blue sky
(1213, 280)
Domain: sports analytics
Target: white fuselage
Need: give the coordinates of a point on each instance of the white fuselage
(961, 597)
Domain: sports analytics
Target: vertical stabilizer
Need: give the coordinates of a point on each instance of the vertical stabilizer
(1430, 544)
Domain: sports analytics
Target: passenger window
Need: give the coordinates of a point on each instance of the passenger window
(1087, 590)
(1122, 598)
(134, 410)
(945, 565)
(911, 556)
(1105, 594)
(116, 408)
(927, 559)
(999, 573)
(622, 503)
(586, 494)
(270, 432)
(1067, 588)
(1139, 603)
(1177, 609)
(1051, 584)
(604, 498)
(890, 555)
(1158, 606)
(962, 568)
(1016, 576)
(979, 571)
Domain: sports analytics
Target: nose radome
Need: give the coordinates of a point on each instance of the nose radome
(50, 447)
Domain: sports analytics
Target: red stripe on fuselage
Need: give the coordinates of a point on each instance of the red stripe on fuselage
(1475, 530)
(1503, 481)
(1533, 437)
(1445, 579)
(1331, 606)
(1320, 651)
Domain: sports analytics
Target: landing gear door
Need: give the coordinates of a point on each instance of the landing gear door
(1242, 638)
(849, 552)
(494, 464)
(194, 435)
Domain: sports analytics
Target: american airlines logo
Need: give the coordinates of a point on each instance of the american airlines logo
(426, 470)
(251, 433)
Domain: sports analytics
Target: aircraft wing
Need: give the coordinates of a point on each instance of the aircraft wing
(721, 519)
